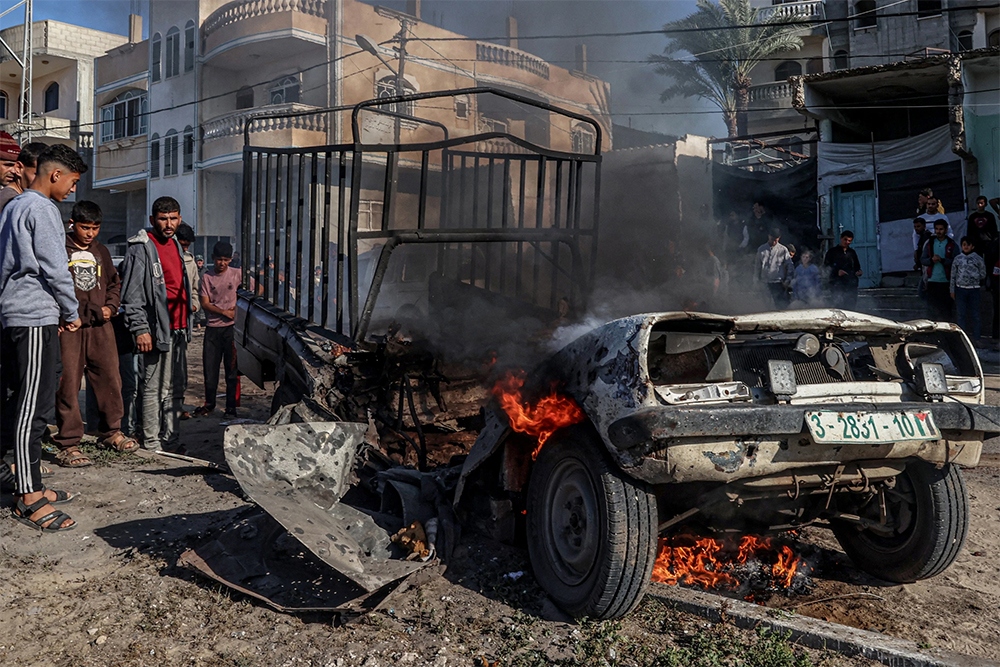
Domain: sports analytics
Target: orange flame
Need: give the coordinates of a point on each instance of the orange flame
(707, 562)
(539, 420)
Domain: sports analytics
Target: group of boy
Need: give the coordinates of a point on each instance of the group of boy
(59, 294)
(952, 274)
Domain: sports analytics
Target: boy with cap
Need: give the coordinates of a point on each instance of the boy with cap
(92, 348)
(37, 300)
(218, 299)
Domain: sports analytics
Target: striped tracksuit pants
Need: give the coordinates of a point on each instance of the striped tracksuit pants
(30, 358)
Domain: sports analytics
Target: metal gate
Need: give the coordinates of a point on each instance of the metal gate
(346, 235)
(856, 211)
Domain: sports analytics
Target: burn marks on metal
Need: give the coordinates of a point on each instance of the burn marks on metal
(745, 452)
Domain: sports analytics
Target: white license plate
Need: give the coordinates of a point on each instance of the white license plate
(839, 428)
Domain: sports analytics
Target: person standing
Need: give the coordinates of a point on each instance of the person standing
(982, 232)
(845, 269)
(92, 348)
(218, 299)
(156, 300)
(935, 213)
(27, 159)
(185, 236)
(938, 255)
(758, 227)
(805, 284)
(37, 300)
(774, 268)
(967, 274)
(9, 152)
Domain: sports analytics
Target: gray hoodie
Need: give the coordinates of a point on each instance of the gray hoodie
(36, 288)
(144, 292)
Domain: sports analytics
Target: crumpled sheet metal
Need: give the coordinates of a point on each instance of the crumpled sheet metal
(298, 473)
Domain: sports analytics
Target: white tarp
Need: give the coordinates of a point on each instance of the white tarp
(841, 164)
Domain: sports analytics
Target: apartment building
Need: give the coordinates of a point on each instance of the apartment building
(208, 65)
(62, 95)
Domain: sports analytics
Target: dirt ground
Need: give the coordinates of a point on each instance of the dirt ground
(111, 594)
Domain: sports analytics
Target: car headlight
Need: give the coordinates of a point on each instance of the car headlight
(931, 379)
(781, 375)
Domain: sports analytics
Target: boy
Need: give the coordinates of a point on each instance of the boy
(218, 299)
(938, 255)
(37, 300)
(185, 236)
(92, 348)
(967, 274)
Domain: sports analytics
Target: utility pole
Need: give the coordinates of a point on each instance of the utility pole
(23, 58)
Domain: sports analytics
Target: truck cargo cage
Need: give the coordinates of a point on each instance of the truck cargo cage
(353, 236)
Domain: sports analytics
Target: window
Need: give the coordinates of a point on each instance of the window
(4, 100)
(173, 53)
(188, 149)
(386, 88)
(52, 97)
(864, 10)
(125, 116)
(965, 40)
(189, 46)
(244, 98)
(369, 215)
(928, 8)
(993, 39)
(814, 66)
(787, 69)
(583, 139)
(170, 153)
(154, 156)
(462, 106)
(841, 60)
(285, 91)
(155, 49)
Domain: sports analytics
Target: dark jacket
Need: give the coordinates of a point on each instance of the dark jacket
(144, 291)
(924, 238)
(838, 259)
(96, 281)
(950, 250)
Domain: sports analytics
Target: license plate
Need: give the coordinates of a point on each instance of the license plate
(841, 428)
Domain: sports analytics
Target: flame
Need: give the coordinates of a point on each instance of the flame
(709, 563)
(539, 420)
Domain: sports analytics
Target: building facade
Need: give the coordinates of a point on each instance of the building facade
(208, 65)
(62, 96)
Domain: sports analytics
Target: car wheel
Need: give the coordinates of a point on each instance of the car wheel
(591, 529)
(928, 516)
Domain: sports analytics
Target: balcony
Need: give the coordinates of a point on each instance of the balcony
(768, 93)
(236, 30)
(43, 127)
(813, 10)
(224, 135)
(508, 57)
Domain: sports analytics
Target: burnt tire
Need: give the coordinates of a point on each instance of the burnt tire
(591, 529)
(932, 508)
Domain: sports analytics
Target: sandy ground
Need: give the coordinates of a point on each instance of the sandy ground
(111, 594)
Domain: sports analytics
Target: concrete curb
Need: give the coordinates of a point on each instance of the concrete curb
(812, 632)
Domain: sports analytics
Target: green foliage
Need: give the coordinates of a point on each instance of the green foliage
(720, 647)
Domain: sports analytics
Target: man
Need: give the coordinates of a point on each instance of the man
(845, 269)
(218, 299)
(934, 214)
(24, 172)
(774, 268)
(920, 236)
(922, 198)
(37, 300)
(9, 150)
(938, 255)
(185, 236)
(982, 232)
(758, 226)
(156, 299)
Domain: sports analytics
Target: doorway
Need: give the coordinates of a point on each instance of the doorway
(854, 209)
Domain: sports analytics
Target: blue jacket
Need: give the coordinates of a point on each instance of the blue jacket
(36, 288)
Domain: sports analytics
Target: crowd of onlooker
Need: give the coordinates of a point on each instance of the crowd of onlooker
(69, 313)
(952, 273)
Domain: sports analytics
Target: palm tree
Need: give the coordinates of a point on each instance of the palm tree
(722, 55)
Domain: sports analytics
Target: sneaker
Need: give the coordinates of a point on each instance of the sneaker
(204, 411)
(230, 414)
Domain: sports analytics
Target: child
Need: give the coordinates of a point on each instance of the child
(805, 284)
(967, 274)
(92, 349)
(37, 300)
(218, 299)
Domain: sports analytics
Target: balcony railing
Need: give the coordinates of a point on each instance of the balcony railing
(813, 10)
(779, 90)
(48, 127)
(505, 55)
(245, 9)
(232, 125)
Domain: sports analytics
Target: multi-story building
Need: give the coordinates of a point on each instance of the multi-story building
(210, 64)
(62, 94)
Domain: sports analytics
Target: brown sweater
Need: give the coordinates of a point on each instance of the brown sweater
(96, 280)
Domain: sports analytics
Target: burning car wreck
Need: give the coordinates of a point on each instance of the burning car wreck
(402, 416)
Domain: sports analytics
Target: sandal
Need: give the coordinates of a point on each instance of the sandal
(73, 457)
(50, 523)
(204, 411)
(121, 443)
(62, 497)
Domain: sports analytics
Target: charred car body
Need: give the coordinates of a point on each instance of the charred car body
(759, 422)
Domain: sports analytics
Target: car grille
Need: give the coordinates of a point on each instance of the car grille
(750, 365)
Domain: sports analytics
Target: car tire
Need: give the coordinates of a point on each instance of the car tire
(932, 508)
(591, 529)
